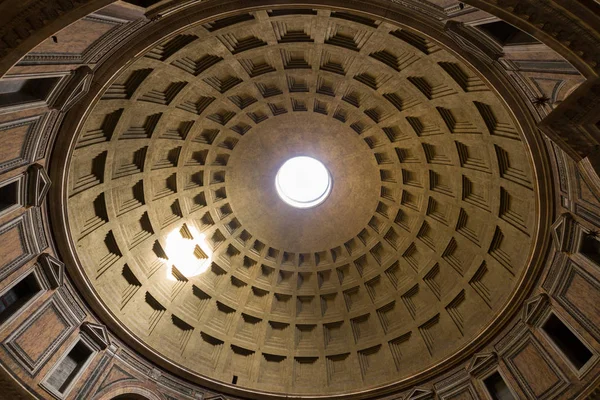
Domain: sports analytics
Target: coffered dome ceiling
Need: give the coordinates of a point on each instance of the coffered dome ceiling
(423, 240)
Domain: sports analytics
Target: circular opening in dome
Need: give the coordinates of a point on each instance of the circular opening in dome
(303, 182)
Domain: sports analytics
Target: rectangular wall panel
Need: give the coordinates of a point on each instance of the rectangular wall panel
(579, 294)
(38, 337)
(537, 374)
(18, 140)
(17, 248)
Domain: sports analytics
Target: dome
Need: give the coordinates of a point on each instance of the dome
(406, 262)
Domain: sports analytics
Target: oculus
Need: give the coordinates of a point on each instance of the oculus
(303, 182)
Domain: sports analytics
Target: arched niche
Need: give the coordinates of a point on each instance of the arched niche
(128, 392)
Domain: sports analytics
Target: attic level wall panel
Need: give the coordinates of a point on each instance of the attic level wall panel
(18, 142)
(40, 335)
(537, 374)
(12, 245)
(579, 293)
(17, 245)
(75, 38)
(13, 141)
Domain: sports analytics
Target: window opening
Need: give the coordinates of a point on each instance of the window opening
(497, 387)
(68, 368)
(13, 299)
(568, 343)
